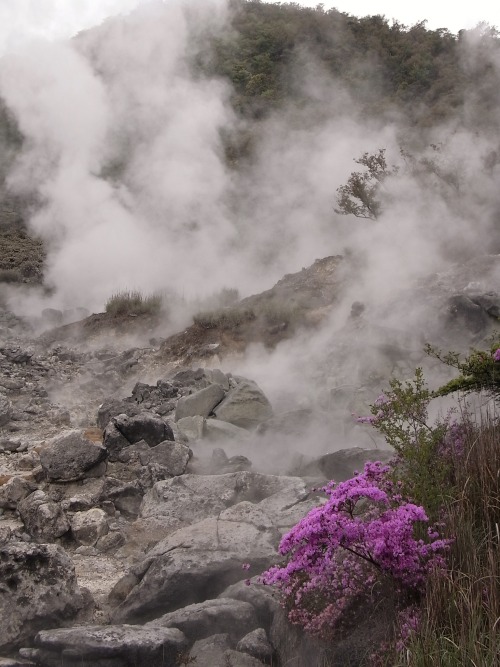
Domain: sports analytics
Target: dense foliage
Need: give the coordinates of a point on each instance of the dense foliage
(383, 64)
(368, 543)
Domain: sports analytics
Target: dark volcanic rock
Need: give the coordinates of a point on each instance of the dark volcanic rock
(38, 590)
(71, 456)
(143, 426)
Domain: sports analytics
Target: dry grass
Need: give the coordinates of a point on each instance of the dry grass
(132, 303)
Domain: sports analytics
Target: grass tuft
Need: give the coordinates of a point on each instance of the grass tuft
(133, 303)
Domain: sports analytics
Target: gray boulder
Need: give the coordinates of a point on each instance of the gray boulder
(200, 403)
(237, 659)
(217, 430)
(257, 645)
(245, 406)
(204, 619)
(111, 646)
(192, 428)
(87, 527)
(44, 520)
(176, 501)
(202, 559)
(71, 456)
(172, 456)
(342, 464)
(210, 651)
(39, 590)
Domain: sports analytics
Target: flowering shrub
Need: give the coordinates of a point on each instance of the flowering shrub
(362, 536)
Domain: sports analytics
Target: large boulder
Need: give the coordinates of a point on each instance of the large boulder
(200, 403)
(202, 559)
(39, 590)
(245, 406)
(72, 456)
(110, 646)
(43, 519)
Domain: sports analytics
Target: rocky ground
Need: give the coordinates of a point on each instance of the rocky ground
(134, 502)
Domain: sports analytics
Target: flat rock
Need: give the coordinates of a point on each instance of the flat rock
(116, 645)
(71, 456)
(38, 590)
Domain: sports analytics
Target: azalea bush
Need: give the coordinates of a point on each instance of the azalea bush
(366, 535)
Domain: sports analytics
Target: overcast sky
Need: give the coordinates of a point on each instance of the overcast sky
(60, 18)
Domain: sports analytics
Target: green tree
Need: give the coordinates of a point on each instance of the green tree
(360, 195)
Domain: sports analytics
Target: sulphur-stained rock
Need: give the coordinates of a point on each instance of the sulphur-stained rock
(38, 590)
(201, 403)
(111, 646)
(44, 519)
(192, 428)
(245, 406)
(210, 617)
(88, 527)
(71, 456)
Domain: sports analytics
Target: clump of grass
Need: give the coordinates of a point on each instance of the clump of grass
(133, 303)
(224, 318)
(461, 613)
(276, 312)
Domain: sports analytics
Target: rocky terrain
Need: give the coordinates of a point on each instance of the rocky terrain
(138, 496)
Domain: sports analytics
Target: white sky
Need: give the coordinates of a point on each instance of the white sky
(21, 19)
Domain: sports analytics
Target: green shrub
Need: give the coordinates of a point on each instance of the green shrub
(133, 303)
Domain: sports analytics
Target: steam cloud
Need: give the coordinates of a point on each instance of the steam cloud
(124, 153)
